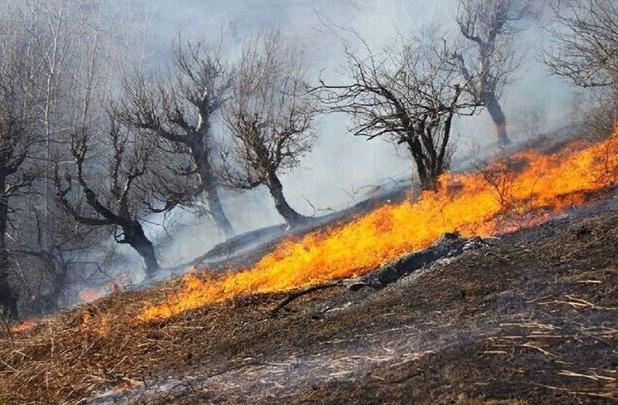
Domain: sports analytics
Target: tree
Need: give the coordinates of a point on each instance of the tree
(410, 94)
(586, 43)
(180, 111)
(71, 41)
(586, 54)
(140, 182)
(270, 118)
(18, 113)
(491, 26)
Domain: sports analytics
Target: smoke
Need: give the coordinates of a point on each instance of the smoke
(335, 173)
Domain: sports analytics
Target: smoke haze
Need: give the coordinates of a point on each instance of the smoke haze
(340, 165)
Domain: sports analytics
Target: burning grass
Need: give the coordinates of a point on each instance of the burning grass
(492, 201)
(568, 305)
(103, 345)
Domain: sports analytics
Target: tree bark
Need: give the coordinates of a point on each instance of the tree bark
(211, 194)
(135, 237)
(497, 115)
(8, 296)
(292, 217)
(427, 175)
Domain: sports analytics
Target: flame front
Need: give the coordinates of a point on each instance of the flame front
(524, 189)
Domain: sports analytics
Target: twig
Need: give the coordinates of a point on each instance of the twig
(608, 395)
(530, 345)
(594, 377)
(577, 303)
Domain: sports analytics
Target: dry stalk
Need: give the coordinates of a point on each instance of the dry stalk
(594, 376)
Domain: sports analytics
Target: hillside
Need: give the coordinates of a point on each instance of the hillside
(531, 315)
(454, 296)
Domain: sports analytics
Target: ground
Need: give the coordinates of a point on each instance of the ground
(531, 317)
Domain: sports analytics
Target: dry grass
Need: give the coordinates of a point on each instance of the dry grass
(557, 329)
(74, 355)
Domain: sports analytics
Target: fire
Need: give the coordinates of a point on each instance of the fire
(88, 295)
(527, 188)
(25, 326)
(99, 324)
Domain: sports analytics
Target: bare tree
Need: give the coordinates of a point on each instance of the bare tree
(18, 113)
(491, 26)
(586, 39)
(270, 118)
(409, 94)
(585, 53)
(77, 46)
(140, 183)
(181, 112)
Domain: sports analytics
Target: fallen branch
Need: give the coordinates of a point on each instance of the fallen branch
(449, 245)
(300, 293)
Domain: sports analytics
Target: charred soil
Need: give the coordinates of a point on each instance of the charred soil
(529, 317)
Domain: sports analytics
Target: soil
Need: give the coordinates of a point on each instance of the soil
(531, 317)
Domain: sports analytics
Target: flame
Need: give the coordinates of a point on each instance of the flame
(88, 295)
(99, 324)
(519, 191)
(25, 326)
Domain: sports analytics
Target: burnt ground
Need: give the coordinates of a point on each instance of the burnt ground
(531, 317)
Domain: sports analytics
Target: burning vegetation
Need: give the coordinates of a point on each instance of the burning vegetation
(510, 263)
(484, 203)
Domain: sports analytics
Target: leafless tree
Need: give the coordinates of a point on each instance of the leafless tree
(18, 113)
(180, 111)
(60, 56)
(490, 26)
(409, 94)
(586, 39)
(119, 184)
(586, 54)
(270, 118)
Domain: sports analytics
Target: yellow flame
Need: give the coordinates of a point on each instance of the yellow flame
(471, 203)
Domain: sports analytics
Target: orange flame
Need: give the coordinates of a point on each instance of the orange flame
(88, 295)
(527, 188)
(25, 326)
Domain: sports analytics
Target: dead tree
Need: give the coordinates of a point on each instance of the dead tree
(119, 184)
(270, 119)
(19, 87)
(491, 26)
(410, 95)
(586, 39)
(585, 53)
(16, 140)
(180, 111)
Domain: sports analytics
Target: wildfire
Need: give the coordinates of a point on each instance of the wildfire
(527, 188)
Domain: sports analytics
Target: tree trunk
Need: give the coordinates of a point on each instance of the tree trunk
(426, 175)
(497, 115)
(428, 182)
(8, 296)
(292, 217)
(211, 194)
(136, 238)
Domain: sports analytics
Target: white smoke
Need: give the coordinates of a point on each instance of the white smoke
(340, 165)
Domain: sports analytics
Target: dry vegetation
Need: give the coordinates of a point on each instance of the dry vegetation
(531, 316)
